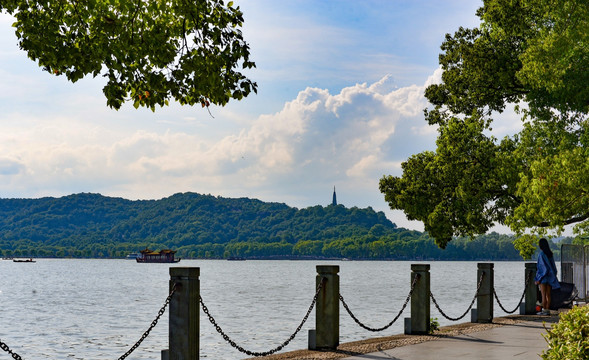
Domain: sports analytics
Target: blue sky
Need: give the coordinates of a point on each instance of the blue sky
(339, 103)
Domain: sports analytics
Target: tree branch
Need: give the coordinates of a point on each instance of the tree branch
(569, 221)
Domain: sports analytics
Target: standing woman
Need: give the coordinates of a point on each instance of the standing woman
(546, 275)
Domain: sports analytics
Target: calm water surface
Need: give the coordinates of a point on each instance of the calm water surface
(97, 309)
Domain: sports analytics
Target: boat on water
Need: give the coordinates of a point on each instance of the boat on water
(132, 256)
(162, 256)
(23, 260)
(236, 258)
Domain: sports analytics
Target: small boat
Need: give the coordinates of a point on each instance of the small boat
(132, 256)
(7, 258)
(23, 260)
(235, 258)
(162, 256)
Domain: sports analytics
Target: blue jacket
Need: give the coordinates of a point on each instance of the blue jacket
(546, 271)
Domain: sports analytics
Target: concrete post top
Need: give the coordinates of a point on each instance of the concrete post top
(327, 269)
(419, 267)
(485, 265)
(185, 272)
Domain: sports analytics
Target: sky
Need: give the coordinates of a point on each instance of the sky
(339, 104)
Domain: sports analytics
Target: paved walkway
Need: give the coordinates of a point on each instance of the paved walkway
(520, 341)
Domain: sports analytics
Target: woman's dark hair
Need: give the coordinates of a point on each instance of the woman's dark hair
(543, 243)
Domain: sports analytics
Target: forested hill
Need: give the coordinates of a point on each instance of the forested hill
(205, 226)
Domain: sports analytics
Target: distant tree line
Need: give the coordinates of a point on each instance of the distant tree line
(205, 226)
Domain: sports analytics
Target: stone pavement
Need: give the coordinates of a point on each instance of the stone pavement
(521, 341)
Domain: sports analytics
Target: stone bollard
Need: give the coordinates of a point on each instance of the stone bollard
(484, 310)
(326, 334)
(184, 314)
(531, 291)
(419, 323)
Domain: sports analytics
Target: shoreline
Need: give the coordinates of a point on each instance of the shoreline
(370, 345)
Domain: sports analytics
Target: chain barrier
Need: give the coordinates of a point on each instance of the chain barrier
(269, 352)
(153, 324)
(520, 300)
(5, 347)
(15, 356)
(467, 310)
(417, 276)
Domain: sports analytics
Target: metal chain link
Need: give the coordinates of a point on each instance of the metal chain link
(417, 276)
(520, 300)
(5, 347)
(467, 310)
(153, 324)
(269, 352)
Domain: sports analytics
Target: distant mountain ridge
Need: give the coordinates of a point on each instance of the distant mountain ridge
(179, 220)
(206, 226)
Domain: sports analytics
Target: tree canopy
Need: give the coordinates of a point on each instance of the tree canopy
(531, 54)
(149, 51)
(205, 226)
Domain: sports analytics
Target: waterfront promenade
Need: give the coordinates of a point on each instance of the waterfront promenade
(510, 337)
(522, 341)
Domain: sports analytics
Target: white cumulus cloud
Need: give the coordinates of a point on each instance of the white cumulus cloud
(317, 139)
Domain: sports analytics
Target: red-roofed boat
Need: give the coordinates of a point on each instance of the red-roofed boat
(162, 256)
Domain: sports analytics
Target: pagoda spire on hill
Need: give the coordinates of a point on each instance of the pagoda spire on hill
(334, 200)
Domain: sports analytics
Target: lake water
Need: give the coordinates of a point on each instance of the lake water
(97, 309)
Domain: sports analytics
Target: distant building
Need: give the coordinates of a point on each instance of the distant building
(334, 200)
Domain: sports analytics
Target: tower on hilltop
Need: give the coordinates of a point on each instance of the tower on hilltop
(334, 200)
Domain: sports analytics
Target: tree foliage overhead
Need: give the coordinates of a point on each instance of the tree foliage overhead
(149, 51)
(529, 53)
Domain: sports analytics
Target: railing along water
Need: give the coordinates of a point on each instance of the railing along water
(467, 310)
(415, 278)
(184, 302)
(260, 353)
(16, 356)
(485, 292)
